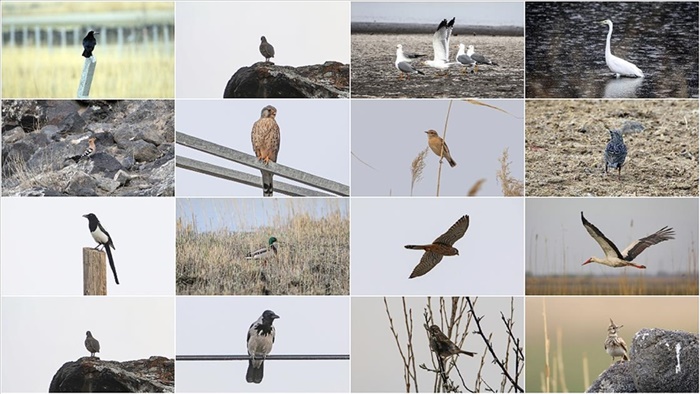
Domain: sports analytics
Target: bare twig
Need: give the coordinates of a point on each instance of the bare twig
(490, 348)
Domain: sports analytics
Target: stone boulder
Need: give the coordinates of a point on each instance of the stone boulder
(660, 361)
(266, 80)
(90, 374)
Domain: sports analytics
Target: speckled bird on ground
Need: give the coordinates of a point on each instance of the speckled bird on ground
(615, 152)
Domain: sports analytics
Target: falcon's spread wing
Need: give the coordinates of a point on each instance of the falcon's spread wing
(455, 232)
(427, 262)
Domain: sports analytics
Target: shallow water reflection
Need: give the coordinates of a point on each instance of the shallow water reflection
(565, 49)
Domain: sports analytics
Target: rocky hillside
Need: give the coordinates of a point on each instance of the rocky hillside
(43, 143)
(90, 374)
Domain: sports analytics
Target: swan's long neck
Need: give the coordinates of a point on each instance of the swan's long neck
(607, 42)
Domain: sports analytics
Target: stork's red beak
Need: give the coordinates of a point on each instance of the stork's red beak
(586, 262)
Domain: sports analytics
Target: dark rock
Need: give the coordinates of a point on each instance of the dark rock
(50, 131)
(660, 361)
(15, 155)
(88, 374)
(144, 151)
(71, 124)
(12, 136)
(82, 184)
(105, 164)
(615, 379)
(55, 111)
(265, 80)
(152, 136)
(665, 361)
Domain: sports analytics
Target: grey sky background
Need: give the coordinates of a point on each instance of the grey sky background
(307, 325)
(388, 135)
(377, 365)
(314, 138)
(490, 260)
(247, 214)
(40, 334)
(563, 243)
(216, 39)
(142, 229)
(467, 13)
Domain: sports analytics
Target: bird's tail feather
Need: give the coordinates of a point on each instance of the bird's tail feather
(86, 53)
(111, 263)
(470, 354)
(267, 183)
(452, 162)
(254, 375)
(415, 247)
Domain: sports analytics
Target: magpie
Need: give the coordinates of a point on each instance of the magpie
(261, 336)
(101, 236)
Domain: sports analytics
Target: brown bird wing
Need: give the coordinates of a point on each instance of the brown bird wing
(454, 233)
(427, 262)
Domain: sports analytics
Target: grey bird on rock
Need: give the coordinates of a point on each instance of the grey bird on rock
(266, 49)
(91, 344)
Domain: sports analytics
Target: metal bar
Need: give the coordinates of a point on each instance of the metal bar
(242, 177)
(240, 357)
(251, 161)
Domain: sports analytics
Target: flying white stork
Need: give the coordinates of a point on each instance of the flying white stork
(613, 257)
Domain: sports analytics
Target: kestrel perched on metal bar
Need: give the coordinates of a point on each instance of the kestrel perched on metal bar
(442, 345)
(437, 144)
(266, 143)
(266, 49)
(442, 246)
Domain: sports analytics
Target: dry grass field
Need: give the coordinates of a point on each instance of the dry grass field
(565, 141)
(313, 257)
(374, 74)
(136, 72)
(612, 285)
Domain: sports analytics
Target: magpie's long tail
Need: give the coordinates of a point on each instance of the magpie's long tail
(111, 263)
(254, 375)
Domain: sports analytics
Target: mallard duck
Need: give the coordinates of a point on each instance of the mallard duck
(266, 253)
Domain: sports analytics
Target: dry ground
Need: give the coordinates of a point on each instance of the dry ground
(373, 73)
(565, 140)
(614, 285)
(314, 259)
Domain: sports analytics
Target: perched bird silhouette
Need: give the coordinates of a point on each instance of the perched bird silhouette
(266, 49)
(101, 236)
(261, 336)
(442, 345)
(89, 43)
(613, 256)
(614, 345)
(266, 253)
(442, 246)
(615, 152)
(266, 143)
(91, 344)
(437, 145)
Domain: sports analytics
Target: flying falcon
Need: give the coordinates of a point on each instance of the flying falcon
(442, 246)
(266, 143)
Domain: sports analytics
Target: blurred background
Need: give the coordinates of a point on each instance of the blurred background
(576, 353)
(42, 46)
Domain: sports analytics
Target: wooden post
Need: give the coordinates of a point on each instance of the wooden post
(94, 272)
(86, 77)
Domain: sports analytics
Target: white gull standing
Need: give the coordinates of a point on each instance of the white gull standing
(403, 64)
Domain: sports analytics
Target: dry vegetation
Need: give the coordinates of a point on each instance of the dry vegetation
(511, 186)
(313, 259)
(565, 141)
(612, 285)
(64, 7)
(457, 317)
(136, 72)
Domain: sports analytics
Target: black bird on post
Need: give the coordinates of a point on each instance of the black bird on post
(101, 236)
(89, 43)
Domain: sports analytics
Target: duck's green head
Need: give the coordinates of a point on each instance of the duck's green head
(271, 240)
